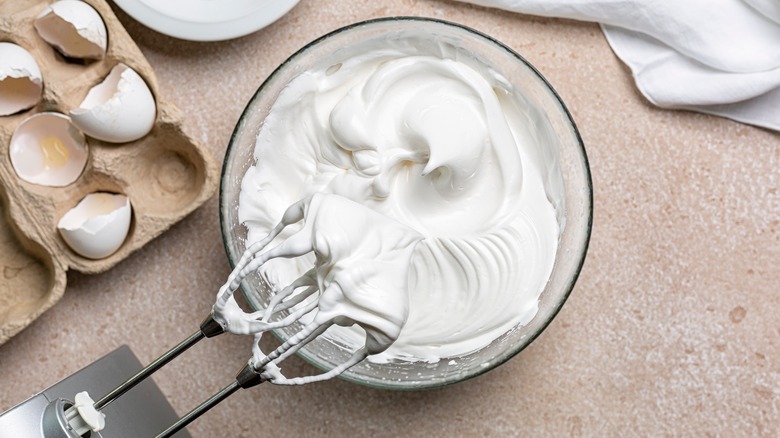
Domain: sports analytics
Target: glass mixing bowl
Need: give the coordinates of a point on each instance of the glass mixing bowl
(569, 176)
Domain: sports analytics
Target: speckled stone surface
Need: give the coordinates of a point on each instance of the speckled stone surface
(672, 329)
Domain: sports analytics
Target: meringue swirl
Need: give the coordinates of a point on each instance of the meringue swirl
(431, 137)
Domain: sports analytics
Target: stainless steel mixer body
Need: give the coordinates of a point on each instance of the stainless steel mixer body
(142, 412)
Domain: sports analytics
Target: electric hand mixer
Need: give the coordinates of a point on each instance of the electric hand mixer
(373, 250)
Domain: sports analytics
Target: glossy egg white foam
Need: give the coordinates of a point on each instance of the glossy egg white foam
(434, 139)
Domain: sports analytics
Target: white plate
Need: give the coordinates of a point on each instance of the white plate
(206, 20)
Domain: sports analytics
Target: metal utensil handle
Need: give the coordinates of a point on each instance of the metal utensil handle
(208, 329)
(200, 410)
(149, 369)
(246, 378)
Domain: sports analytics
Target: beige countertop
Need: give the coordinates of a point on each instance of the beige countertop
(673, 327)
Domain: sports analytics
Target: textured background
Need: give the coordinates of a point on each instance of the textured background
(673, 327)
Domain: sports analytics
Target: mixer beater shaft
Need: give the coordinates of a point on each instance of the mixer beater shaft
(246, 378)
(208, 328)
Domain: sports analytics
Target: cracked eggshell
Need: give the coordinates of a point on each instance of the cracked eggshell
(98, 225)
(118, 110)
(47, 149)
(21, 82)
(74, 28)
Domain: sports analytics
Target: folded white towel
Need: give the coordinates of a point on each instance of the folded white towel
(719, 57)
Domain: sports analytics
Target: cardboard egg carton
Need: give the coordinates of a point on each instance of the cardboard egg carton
(166, 174)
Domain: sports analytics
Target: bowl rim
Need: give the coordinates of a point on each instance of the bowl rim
(585, 162)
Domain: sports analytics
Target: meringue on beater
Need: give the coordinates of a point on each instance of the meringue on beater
(360, 277)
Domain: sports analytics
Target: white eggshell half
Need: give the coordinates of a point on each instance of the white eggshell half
(74, 28)
(98, 225)
(21, 83)
(119, 109)
(47, 149)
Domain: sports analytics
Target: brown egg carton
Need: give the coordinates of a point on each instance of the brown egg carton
(166, 174)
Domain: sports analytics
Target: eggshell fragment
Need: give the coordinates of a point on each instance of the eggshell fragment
(98, 225)
(47, 149)
(119, 109)
(21, 83)
(74, 28)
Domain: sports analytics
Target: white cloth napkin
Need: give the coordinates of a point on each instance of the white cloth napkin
(719, 57)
